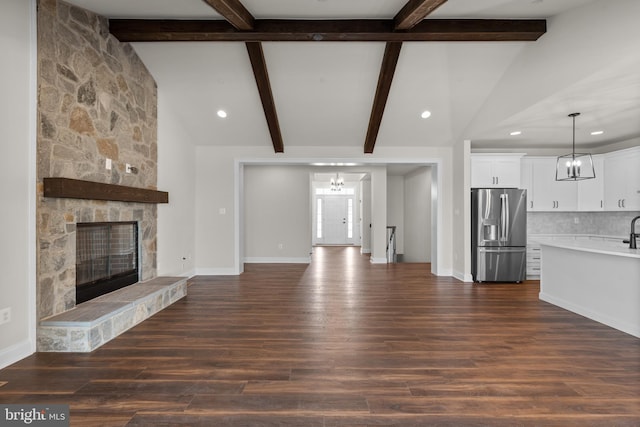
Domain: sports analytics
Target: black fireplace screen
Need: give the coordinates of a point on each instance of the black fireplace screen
(106, 258)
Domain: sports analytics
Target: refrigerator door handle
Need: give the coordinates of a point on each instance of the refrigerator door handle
(504, 217)
(502, 250)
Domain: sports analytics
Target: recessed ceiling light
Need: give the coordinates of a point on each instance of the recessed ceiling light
(425, 114)
(222, 114)
(597, 132)
(515, 133)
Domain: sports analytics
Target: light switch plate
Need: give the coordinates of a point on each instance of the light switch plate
(5, 315)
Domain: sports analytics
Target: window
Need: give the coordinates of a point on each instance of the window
(319, 218)
(350, 218)
(328, 192)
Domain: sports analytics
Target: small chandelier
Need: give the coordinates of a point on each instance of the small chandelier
(337, 183)
(574, 166)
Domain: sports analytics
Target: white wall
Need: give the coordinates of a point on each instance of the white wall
(461, 250)
(443, 193)
(379, 214)
(395, 208)
(215, 211)
(417, 216)
(277, 213)
(17, 149)
(176, 174)
(365, 215)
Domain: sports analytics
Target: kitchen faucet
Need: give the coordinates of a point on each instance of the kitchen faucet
(633, 235)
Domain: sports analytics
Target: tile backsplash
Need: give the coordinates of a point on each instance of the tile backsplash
(598, 223)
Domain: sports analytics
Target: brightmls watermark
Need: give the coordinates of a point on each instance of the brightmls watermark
(34, 415)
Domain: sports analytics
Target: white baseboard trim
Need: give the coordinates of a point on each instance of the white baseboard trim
(446, 272)
(365, 250)
(618, 324)
(277, 260)
(187, 274)
(15, 353)
(216, 272)
(378, 260)
(462, 277)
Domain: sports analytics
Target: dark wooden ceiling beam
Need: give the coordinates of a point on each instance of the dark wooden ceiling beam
(139, 30)
(241, 19)
(256, 55)
(234, 12)
(409, 17)
(415, 11)
(389, 62)
(408, 25)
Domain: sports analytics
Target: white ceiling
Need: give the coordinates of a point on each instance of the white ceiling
(481, 91)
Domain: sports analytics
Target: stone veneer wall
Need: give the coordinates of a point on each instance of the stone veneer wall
(96, 100)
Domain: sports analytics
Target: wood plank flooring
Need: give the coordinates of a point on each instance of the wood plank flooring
(342, 342)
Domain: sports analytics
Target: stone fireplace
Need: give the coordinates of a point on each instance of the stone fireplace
(97, 114)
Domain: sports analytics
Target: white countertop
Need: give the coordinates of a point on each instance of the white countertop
(595, 246)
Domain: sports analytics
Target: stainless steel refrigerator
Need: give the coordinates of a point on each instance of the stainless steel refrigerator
(498, 234)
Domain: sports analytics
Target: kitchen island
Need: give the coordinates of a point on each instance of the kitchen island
(596, 279)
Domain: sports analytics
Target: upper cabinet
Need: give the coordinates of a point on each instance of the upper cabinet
(547, 194)
(495, 170)
(591, 191)
(616, 186)
(622, 180)
(526, 180)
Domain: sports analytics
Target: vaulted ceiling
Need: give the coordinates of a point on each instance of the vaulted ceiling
(359, 73)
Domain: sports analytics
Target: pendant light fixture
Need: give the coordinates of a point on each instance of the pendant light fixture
(337, 183)
(574, 166)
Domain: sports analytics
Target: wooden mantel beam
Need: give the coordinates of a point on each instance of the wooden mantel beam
(79, 189)
(377, 30)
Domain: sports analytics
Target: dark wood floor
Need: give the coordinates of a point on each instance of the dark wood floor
(341, 342)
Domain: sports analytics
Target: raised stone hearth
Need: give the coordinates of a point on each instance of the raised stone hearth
(93, 323)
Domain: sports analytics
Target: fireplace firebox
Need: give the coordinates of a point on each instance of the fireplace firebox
(106, 258)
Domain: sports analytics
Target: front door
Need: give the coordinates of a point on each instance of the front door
(335, 218)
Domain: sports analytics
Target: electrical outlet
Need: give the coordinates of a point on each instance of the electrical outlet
(107, 164)
(127, 168)
(5, 315)
(280, 246)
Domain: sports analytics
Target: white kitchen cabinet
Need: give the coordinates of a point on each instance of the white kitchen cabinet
(526, 180)
(591, 191)
(622, 180)
(495, 170)
(547, 194)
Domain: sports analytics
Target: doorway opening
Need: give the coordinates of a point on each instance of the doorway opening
(268, 229)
